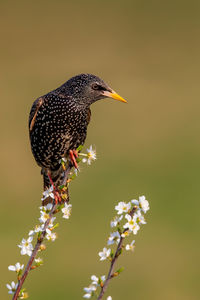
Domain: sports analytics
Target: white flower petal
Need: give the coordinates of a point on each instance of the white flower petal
(104, 254)
(23, 251)
(30, 239)
(94, 278)
(11, 268)
(31, 232)
(122, 207)
(13, 285)
(8, 286)
(87, 296)
(144, 204)
(66, 210)
(115, 221)
(135, 202)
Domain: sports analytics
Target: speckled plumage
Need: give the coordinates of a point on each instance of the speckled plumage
(58, 120)
(60, 126)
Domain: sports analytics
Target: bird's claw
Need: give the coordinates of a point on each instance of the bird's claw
(73, 154)
(57, 197)
(55, 191)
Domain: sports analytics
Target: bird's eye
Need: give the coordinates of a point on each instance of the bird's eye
(95, 86)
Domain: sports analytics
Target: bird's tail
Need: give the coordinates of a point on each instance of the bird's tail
(57, 175)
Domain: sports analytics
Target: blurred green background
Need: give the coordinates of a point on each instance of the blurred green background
(148, 51)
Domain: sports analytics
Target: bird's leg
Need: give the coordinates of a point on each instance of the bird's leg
(73, 154)
(56, 193)
(50, 179)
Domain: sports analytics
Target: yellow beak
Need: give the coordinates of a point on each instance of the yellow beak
(114, 95)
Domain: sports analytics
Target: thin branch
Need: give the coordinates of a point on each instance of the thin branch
(37, 246)
(33, 255)
(104, 287)
(113, 261)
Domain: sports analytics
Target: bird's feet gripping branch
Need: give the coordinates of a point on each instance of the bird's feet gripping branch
(73, 155)
(55, 191)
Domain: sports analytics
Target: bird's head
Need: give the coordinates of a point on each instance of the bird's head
(87, 89)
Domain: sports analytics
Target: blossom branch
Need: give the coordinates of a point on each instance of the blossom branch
(54, 200)
(34, 253)
(40, 239)
(132, 216)
(113, 261)
(110, 273)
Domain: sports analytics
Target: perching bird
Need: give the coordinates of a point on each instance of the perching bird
(58, 121)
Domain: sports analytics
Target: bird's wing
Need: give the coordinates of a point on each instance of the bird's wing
(33, 113)
(89, 116)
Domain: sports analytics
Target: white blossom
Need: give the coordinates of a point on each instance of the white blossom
(139, 217)
(115, 221)
(44, 216)
(48, 207)
(114, 238)
(93, 286)
(48, 193)
(66, 210)
(130, 246)
(89, 290)
(143, 204)
(95, 279)
(12, 287)
(38, 228)
(126, 233)
(51, 236)
(90, 156)
(109, 298)
(26, 246)
(105, 253)
(123, 207)
(87, 296)
(51, 222)
(103, 278)
(16, 268)
(131, 224)
(39, 260)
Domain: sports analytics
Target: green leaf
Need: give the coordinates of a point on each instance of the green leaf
(79, 159)
(61, 187)
(111, 253)
(55, 226)
(79, 148)
(120, 270)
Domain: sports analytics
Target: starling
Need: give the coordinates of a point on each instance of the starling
(58, 122)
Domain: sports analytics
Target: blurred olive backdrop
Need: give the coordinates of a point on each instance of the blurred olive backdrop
(148, 51)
